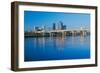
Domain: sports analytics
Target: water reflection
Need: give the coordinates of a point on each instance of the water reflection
(57, 48)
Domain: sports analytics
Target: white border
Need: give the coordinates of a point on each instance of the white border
(23, 64)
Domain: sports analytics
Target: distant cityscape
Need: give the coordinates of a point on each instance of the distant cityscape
(55, 26)
(55, 35)
(57, 29)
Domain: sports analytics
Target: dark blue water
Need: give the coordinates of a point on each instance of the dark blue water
(56, 48)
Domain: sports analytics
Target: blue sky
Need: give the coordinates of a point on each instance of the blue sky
(71, 20)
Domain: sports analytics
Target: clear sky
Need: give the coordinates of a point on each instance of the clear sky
(71, 20)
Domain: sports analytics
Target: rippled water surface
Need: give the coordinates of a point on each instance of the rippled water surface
(56, 48)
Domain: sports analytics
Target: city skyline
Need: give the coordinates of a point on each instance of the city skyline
(59, 26)
(70, 20)
(68, 42)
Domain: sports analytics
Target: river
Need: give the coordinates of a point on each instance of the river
(56, 48)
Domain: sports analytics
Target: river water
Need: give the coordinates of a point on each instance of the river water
(56, 48)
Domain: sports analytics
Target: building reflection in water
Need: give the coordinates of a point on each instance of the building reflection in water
(58, 43)
(69, 47)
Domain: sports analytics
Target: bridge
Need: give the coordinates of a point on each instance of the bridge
(60, 32)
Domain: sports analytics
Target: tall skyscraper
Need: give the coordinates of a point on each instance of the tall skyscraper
(60, 25)
(54, 26)
(64, 26)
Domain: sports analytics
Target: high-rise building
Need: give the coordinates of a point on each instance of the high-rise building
(54, 26)
(38, 28)
(64, 26)
(60, 25)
